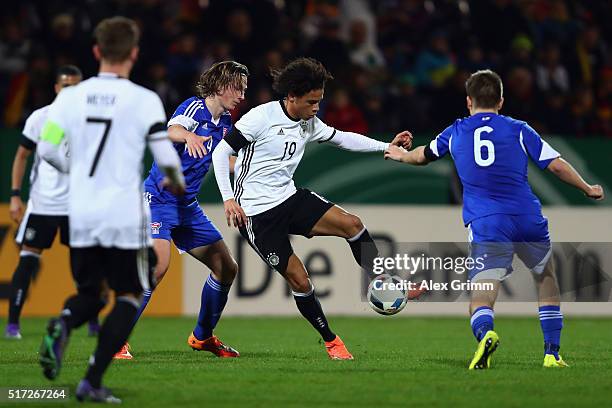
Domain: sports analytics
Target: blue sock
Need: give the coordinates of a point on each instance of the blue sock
(551, 320)
(146, 296)
(482, 321)
(214, 298)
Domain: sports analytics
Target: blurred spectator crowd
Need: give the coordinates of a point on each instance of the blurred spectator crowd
(398, 64)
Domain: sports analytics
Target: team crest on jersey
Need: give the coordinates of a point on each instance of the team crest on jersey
(304, 125)
(224, 131)
(155, 226)
(273, 259)
(30, 233)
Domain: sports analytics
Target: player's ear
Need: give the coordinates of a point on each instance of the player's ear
(501, 103)
(468, 102)
(134, 54)
(96, 52)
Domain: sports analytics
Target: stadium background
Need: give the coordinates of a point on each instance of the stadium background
(398, 65)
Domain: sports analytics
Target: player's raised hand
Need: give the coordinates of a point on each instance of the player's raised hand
(596, 192)
(195, 145)
(16, 209)
(403, 139)
(395, 153)
(234, 214)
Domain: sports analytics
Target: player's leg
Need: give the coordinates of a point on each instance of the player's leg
(267, 233)
(549, 311)
(128, 273)
(164, 220)
(336, 221)
(223, 267)
(35, 233)
(26, 271)
(482, 323)
(162, 250)
(87, 271)
(536, 253)
(490, 242)
(313, 215)
(340, 223)
(309, 306)
(93, 325)
(61, 222)
(199, 237)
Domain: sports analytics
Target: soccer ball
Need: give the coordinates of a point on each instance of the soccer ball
(385, 299)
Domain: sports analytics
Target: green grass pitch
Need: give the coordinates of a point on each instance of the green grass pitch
(408, 362)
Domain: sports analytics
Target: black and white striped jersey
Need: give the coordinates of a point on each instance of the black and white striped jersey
(270, 145)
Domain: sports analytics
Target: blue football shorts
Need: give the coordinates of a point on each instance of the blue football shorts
(495, 239)
(186, 225)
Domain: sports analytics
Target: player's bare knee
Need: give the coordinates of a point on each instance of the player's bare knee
(231, 270)
(301, 285)
(227, 273)
(298, 282)
(353, 226)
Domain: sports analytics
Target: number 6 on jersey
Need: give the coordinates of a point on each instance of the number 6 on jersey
(487, 144)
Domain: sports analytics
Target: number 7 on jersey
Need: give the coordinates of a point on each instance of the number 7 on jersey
(107, 125)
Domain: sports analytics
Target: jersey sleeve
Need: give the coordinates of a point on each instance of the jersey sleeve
(30, 134)
(55, 133)
(321, 132)
(439, 147)
(537, 148)
(32, 128)
(154, 118)
(59, 116)
(186, 114)
(252, 124)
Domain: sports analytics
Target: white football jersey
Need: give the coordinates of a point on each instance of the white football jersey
(106, 120)
(264, 168)
(48, 186)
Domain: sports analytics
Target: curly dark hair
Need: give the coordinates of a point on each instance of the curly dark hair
(221, 76)
(300, 76)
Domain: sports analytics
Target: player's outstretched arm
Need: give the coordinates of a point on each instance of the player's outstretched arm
(566, 172)
(415, 157)
(234, 214)
(356, 142)
(19, 164)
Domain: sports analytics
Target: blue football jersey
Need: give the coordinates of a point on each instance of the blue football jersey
(491, 153)
(194, 116)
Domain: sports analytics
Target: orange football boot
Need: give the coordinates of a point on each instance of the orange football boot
(337, 350)
(212, 344)
(416, 292)
(124, 353)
